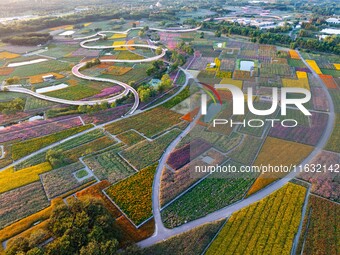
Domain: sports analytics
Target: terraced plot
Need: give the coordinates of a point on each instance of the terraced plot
(266, 227)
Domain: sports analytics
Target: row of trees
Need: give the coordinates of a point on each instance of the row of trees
(29, 39)
(331, 45)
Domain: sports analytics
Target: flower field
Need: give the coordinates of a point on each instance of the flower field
(117, 70)
(118, 36)
(334, 141)
(277, 152)
(24, 148)
(236, 83)
(81, 91)
(8, 55)
(106, 115)
(5, 71)
(133, 195)
(130, 137)
(209, 195)
(320, 231)
(22, 177)
(28, 130)
(328, 81)
(270, 70)
(293, 54)
(318, 99)
(109, 165)
(62, 180)
(306, 134)
(314, 66)
(242, 75)
(146, 153)
(300, 83)
(245, 153)
(324, 184)
(21, 202)
(337, 66)
(335, 93)
(148, 123)
(226, 143)
(182, 156)
(38, 78)
(266, 227)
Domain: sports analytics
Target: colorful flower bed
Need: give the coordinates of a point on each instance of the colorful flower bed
(320, 228)
(278, 215)
(148, 123)
(302, 69)
(146, 153)
(325, 184)
(22, 202)
(337, 66)
(303, 134)
(109, 91)
(276, 152)
(106, 115)
(117, 70)
(133, 195)
(130, 137)
(328, 81)
(314, 66)
(118, 36)
(300, 83)
(22, 177)
(186, 153)
(5, 71)
(24, 148)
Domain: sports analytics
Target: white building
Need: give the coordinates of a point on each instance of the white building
(335, 21)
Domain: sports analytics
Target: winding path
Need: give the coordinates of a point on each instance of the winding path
(76, 69)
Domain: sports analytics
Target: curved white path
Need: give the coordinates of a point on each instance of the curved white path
(76, 69)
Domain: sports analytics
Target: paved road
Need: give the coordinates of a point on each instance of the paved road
(162, 233)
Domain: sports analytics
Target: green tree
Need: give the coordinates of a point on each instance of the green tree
(165, 84)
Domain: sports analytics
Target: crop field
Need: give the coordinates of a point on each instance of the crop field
(337, 66)
(200, 63)
(272, 70)
(226, 143)
(62, 180)
(230, 81)
(211, 194)
(257, 131)
(146, 153)
(136, 74)
(39, 78)
(130, 137)
(106, 115)
(6, 71)
(60, 50)
(276, 152)
(325, 184)
(191, 242)
(328, 81)
(266, 227)
(117, 70)
(334, 141)
(208, 77)
(133, 195)
(293, 54)
(24, 148)
(22, 177)
(148, 123)
(320, 231)
(242, 75)
(80, 91)
(334, 73)
(109, 165)
(127, 55)
(21, 202)
(245, 153)
(309, 134)
(296, 63)
(33, 103)
(300, 83)
(43, 67)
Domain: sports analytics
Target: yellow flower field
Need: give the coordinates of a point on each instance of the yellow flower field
(11, 179)
(38, 78)
(300, 83)
(337, 66)
(230, 81)
(8, 55)
(314, 66)
(117, 43)
(87, 24)
(293, 54)
(301, 75)
(118, 36)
